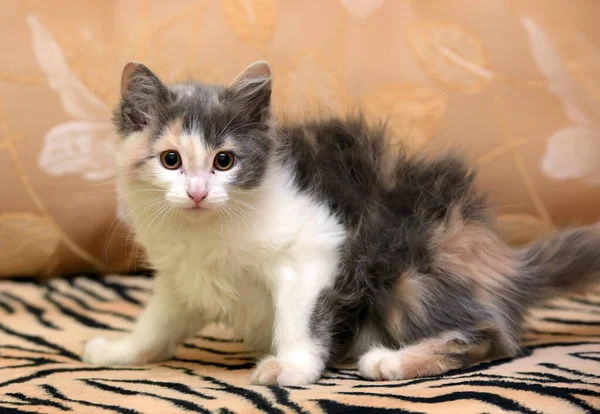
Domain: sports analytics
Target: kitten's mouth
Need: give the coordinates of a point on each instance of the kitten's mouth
(195, 209)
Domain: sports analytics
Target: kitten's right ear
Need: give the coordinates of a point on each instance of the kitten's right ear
(143, 99)
(252, 90)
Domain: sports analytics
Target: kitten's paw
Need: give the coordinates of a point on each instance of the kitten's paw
(97, 351)
(280, 371)
(381, 364)
(101, 351)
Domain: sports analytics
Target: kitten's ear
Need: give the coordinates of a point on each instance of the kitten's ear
(143, 98)
(252, 88)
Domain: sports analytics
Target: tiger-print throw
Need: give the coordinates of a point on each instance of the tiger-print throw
(44, 324)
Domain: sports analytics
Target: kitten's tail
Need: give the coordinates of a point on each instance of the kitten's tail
(568, 261)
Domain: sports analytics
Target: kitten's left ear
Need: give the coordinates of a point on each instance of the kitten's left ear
(252, 88)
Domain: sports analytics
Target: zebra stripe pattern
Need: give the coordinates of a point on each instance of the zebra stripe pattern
(43, 325)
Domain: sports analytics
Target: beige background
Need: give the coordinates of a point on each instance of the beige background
(514, 84)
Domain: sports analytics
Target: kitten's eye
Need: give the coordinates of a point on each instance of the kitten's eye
(170, 160)
(224, 161)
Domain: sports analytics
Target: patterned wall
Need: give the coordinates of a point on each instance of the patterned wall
(513, 84)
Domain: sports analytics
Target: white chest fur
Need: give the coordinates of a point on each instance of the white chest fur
(232, 271)
(221, 284)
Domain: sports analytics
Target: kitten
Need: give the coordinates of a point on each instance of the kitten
(316, 242)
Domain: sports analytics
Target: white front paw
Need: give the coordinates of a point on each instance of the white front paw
(100, 351)
(96, 351)
(279, 371)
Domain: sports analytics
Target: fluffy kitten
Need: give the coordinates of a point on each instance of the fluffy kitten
(316, 242)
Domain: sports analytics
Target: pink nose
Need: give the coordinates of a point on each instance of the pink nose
(197, 195)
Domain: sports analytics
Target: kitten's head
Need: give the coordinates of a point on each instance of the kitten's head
(197, 146)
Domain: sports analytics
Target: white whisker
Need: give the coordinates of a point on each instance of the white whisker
(147, 203)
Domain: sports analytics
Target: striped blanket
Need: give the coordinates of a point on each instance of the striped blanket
(43, 326)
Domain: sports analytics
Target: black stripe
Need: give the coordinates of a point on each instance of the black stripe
(247, 359)
(282, 396)
(34, 362)
(173, 386)
(52, 391)
(24, 349)
(485, 397)
(73, 283)
(570, 371)
(537, 332)
(484, 376)
(38, 401)
(38, 340)
(342, 374)
(586, 355)
(570, 309)
(120, 290)
(572, 322)
(565, 393)
(554, 378)
(336, 407)
(90, 308)
(80, 318)
(561, 344)
(10, 410)
(7, 308)
(584, 301)
(229, 367)
(48, 372)
(37, 312)
(186, 405)
(258, 400)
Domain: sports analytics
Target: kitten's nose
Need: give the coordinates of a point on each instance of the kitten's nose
(197, 186)
(197, 194)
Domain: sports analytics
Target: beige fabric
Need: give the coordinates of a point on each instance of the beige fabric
(514, 84)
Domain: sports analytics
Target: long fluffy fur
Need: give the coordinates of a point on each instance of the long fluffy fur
(328, 242)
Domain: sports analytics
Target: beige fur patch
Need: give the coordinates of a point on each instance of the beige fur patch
(409, 291)
(438, 355)
(170, 139)
(473, 252)
(190, 149)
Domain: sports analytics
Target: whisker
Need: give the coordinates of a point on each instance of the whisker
(156, 215)
(139, 191)
(228, 123)
(245, 204)
(166, 214)
(233, 218)
(147, 204)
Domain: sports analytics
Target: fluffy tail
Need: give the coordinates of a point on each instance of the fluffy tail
(569, 261)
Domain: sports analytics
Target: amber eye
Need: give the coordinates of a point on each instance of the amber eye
(170, 160)
(224, 161)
